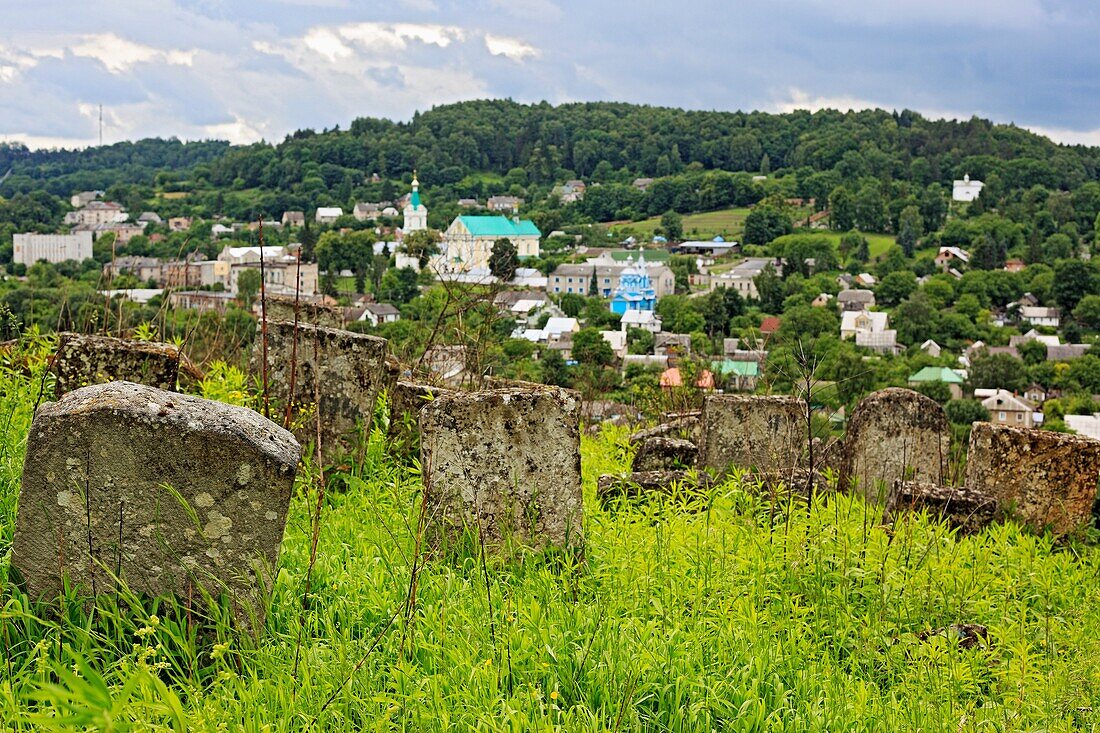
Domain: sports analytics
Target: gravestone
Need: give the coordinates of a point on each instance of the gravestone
(1044, 479)
(766, 433)
(407, 399)
(168, 492)
(963, 509)
(282, 307)
(660, 453)
(894, 434)
(338, 371)
(84, 359)
(505, 465)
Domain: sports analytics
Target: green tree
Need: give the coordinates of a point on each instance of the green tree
(910, 229)
(553, 368)
(672, 224)
(842, 209)
(769, 290)
(399, 285)
(1073, 280)
(895, 287)
(504, 259)
(1087, 312)
(591, 349)
(248, 284)
(421, 244)
(965, 412)
(766, 222)
(997, 371)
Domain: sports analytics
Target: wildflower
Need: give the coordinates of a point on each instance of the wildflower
(154, 621)
(219, 651)
(489, 662)
(554, 695)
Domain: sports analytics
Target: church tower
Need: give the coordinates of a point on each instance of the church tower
(416, 213)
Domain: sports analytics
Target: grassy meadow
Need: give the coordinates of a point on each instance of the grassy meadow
(728, 223)
(719, 612)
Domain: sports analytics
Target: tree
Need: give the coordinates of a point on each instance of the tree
(965, 412)
(421, 244)
(248, 284)
(1087, 312)
(571, 304)
(504, 259)
(870, 209)
(769, 290)
(910, 229)
(553, 368)
(399, 285)
(1073, 280)
(933, 207)
(591, 349)
(895, 287)
(842, 208)
(672, 224)
(766, 222)
(998, 371)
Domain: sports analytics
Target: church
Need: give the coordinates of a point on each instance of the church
(416, 213)
(635, 291)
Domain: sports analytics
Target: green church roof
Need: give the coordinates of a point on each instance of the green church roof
(937, 374)
(499, 226)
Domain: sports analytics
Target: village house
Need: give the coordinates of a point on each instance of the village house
(642, 183)
(869, 329)
(855, 300)
(931, 348)
(379, 313)
(293, 219)
(365, 210)
(328, 214)
(1039, 316)
(645, 320)
(1035, 394)
(742, 277)
(179, 223)
(149, 217)
(1006, 408)
(504, 203)
(82, 199)
(949, 257)
(951, 377)
(468, 203)
(201, 300)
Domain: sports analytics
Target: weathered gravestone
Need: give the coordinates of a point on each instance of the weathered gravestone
(505, 465)
(338, 371)
(407, 399)
(282, 308)
(766, 433)
(894, 434)
(1044, 479)
(964, 509)
(169, 493)
(83, 360)
(660, 453)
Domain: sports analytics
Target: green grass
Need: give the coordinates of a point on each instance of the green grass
(877, 243)
(726, 222)
(727, 613)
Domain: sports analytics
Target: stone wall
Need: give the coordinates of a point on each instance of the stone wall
(505, 465)
(83, 360)
(281, 308)
(169, 492)
(894, 434)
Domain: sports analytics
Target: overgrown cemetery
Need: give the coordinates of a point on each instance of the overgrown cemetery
(414, 556)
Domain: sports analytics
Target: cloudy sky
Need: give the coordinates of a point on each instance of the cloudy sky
(258, 69)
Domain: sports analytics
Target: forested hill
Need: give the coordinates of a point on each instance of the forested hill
(593, 141)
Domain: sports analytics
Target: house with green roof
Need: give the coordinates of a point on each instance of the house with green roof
(951, 377)
(468, 241)
(739, 375)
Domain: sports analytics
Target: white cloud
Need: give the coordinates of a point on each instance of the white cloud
(119, 54)
(796, 98)
(45, 142)
(238, 132)
(512, 48)
(1067, 136)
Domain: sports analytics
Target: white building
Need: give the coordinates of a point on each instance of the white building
(96, 213)
(30, 248)
(1038, 316)
(966, 189)
(416, 213)
(646, 320)
(328, 214)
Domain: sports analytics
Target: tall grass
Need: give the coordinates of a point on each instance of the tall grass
(719, 612)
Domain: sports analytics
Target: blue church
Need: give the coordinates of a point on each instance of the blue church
(635, 293)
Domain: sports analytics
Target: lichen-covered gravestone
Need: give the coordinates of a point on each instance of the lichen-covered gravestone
(766, 433)
(344, 370)
(505, 465)
(894, 434)
(407, 399)
(168, 492)
(83, 360)
(1044, 479)
(282, 308)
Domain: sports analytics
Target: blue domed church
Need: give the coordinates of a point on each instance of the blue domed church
(635, 292)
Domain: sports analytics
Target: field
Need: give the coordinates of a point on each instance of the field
(722, 612)
(725, 222)
(878, 243)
